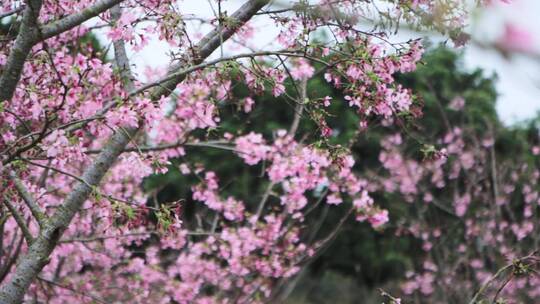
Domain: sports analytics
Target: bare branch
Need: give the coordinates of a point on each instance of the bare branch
(207, 144)
(132, 234)
(105, 237)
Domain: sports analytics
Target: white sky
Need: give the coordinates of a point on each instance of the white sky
(519, 77)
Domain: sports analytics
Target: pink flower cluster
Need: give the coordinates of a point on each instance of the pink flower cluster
(370, 83)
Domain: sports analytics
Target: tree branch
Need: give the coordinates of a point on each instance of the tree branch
(208, 144)
(182, 74)
(26, 38)
(11, 256)
(20, 221)
(120, 54)
(299, 108)
(497, 274)
(12, 12)
(65, 24)
(127, 235)
(212, 41)
(30, 34)
(28, 199)
(75, 291)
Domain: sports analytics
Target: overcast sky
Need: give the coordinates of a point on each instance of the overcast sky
(519, 77)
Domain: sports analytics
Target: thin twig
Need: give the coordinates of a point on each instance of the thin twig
(263, 200)
(75, 291)
(299, 107)
(132, 234)
(496, 275)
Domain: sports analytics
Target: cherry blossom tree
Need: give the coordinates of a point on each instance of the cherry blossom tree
(81, 129)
